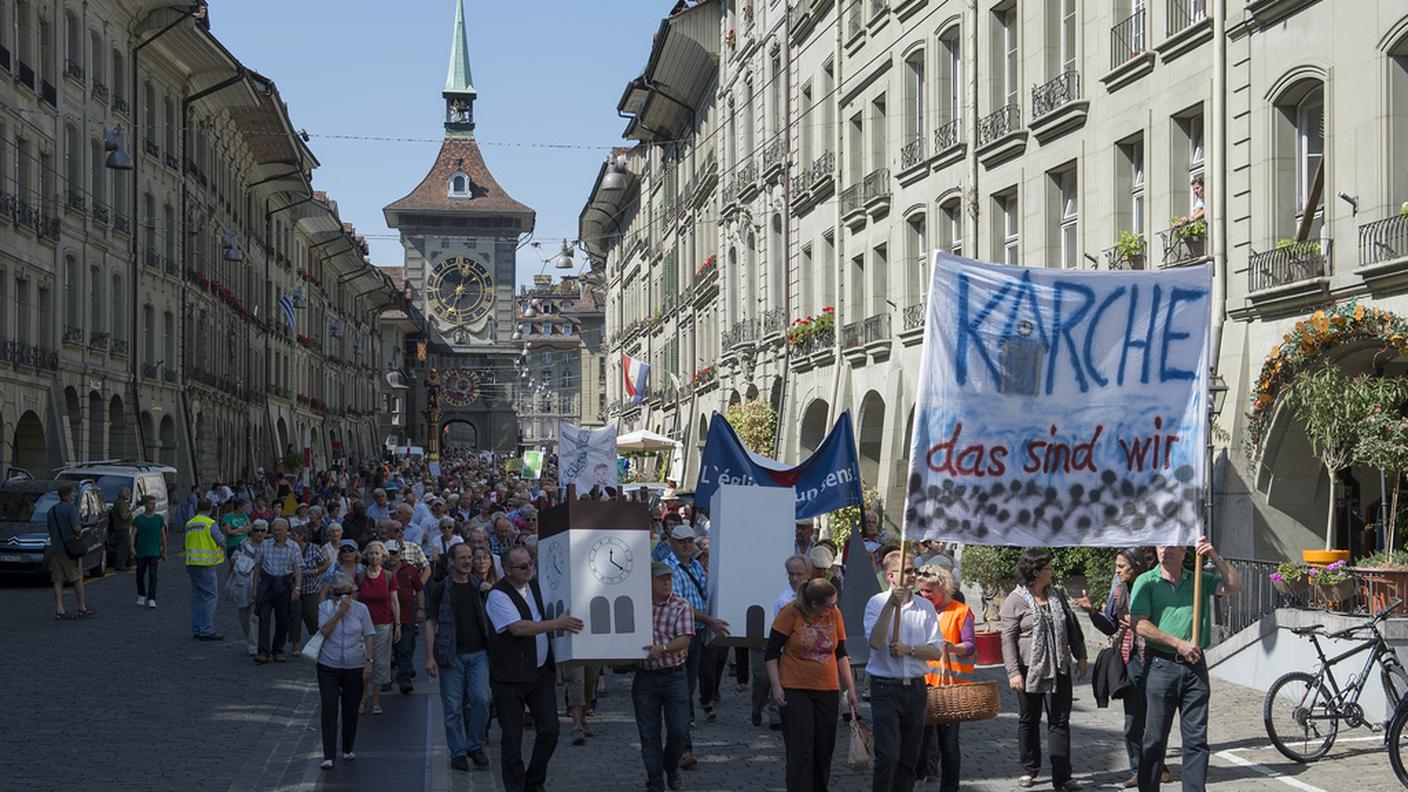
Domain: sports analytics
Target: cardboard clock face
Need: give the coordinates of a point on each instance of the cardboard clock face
(461, 290)
(610, 560)
(554, 559)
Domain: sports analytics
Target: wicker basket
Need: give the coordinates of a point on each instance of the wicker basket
(953, 703)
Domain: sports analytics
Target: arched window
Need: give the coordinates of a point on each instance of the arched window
(1298, 153)
(459, 186)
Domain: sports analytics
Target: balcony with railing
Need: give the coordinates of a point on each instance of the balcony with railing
(823, 169)
(912, 153)
(774, 157)
(73, 334)
(947, 136)
(168, 375)
(100, 212)
(99, 341)
(1186, 244)
(743, 332)
(100, 91)
(149, 371)
(747, 179)
(73, 71)
(151, 147)
(851, 200)
(1057, 106)
(914, 316)
(1384, 242)
(861, 335)
(1289, 263)
(77, 202)
(1128, 39)
(1128, 255)
(48, 93)
(20, 353)
(119, 105)
(26, 75)
(1000, 134)
(774, 322)
(1183, 14)
(876, 190)
(121, 223)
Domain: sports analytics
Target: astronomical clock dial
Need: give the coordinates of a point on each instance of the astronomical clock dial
(610, 560)
(461, 290)
(461, 387)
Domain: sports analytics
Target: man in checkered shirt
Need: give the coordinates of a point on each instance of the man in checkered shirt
(660, 691)
(691, 584)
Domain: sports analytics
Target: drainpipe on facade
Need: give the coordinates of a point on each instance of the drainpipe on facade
(786, 231)
(971, 249)
(1218, 226)
(837, 231)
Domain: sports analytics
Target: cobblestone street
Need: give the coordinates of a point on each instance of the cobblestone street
(126, 701)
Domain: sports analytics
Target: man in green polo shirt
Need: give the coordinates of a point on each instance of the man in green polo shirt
(1176, 678)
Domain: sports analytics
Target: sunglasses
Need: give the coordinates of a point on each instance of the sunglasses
(518, 566)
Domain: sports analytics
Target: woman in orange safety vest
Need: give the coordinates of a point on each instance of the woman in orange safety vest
(936, 584)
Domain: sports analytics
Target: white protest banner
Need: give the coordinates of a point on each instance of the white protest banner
(1061, 407)
(586, 457)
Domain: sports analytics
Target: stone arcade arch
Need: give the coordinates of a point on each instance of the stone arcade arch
(813, 429)
(27, 447)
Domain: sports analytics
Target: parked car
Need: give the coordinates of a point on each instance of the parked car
(24, 527)
(111, 475)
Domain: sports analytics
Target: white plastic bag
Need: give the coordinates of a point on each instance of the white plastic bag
(859, 757)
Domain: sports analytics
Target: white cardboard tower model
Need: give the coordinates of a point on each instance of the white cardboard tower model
(594, 560)
(751, 537)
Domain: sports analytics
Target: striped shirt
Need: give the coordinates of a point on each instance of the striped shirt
(312, 559)
(277, 560)
(668, 621)
(691, 583)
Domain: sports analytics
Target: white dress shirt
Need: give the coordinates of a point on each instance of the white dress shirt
(783, 600)
(919, 626)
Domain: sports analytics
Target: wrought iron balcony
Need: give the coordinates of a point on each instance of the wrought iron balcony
(119, 105)
(99, 340)
(799, 185)
(1125, 259)
(73, 70)
(1289, 262)
(823, 167)
(747, 174)
(1004, 121)
(170, 266)
(151, 258)
(877, 185)
(151, 147)
(775, 155)
(100, 91)
(149, 371)
(1055, 93)
(1383, 240)
(1182, 247)
(168, 375)
(119, 347)
(774, 321)
(869, 330)
(73, 334)
(121, 223)
(171, 161)
(26, 75)
(1183, 14)
(913, 152)
(743, 332)
(730, 191)
(915, 316)
(1128, 39)
(100, 212)
(48, 93)
(9, 203)
(20, 353)
(76, 201)
(946, 136)
(850, 199)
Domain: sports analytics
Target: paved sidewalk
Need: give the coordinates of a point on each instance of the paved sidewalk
(127, 701)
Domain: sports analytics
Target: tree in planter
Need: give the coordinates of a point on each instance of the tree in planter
(994, 569)
(1383, 443)
(1130, 248)
(756, 425)
(1332, 408)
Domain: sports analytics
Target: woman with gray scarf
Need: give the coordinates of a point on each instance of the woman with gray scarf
(1040, 638)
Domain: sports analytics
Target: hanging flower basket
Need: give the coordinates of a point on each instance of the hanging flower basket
(1295, 589)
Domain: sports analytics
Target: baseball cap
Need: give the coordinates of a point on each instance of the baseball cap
(660, 569)
(348, 543)
(392, 546)
(682, 533)
(821, 558)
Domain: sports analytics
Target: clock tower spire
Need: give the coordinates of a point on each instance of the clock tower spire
(459, 90)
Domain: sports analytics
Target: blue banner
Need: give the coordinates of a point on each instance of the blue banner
(828, 480)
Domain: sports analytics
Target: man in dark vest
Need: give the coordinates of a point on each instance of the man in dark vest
(521, 670)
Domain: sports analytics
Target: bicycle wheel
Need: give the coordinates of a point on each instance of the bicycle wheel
(1395, 681)
(1299, 717)
(1397, 741)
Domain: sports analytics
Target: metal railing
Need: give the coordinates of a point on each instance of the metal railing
(26, 75)
(867, 331)
(747, 174)
(799, 185)
(742, 332)
(151, 147)
(48, 93)
(775, 154)
(994, 125)
(1128, 39)
(823, 167)
(850, 199)
(914, 316)
(855, 21)
(119, 347)
(20, 353)
(74, 70)
(122, 224)
(947, 134)
(73, 334)
(1259, 598)
(1117, 259)
(77, 202)
(99, 340)
(100, 213)
(119, 105)
(149, 371)
(1289, 263)
(1182, 248)
(1055, 93)
(774, 321)
(877, 185)
(168, 375)
(1183, 14)
(913, 152)
(100, 91)
(1383, 240)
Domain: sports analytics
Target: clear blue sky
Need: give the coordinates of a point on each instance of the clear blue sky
(547, 71)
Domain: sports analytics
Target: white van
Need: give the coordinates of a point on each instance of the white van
(111, 475)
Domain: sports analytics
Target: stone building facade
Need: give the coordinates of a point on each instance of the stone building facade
(804, 160)
(206, 307)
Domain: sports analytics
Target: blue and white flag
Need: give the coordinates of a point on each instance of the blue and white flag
(286, 305)
(828, 480)
(1060, 408)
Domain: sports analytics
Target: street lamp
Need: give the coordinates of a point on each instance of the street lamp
(529, 311)
(616, 174)
(1217, 393)
(564, 258)
(517, 333)
(117, 158)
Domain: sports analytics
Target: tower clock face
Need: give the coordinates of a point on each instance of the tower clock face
(461, 291)
(610, 560)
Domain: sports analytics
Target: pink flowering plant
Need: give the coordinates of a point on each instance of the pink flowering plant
(1335, 573)
(1290, 572)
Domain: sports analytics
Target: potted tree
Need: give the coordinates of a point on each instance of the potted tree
(1331, 408)
(994, 570)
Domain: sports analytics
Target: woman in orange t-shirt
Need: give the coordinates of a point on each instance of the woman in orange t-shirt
(807, 664)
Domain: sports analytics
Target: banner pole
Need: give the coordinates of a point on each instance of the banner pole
(895, 630)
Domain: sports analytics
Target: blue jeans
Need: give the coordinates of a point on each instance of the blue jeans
(465, 684)
(1171, 687)
(204, 590)
(661, 697)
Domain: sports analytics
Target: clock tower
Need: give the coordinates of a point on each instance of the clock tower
(460, 231)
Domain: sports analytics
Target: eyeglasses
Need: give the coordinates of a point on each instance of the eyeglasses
(518, 566)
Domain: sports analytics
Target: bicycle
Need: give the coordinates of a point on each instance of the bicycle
(1303, 715)
(1394, 739)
